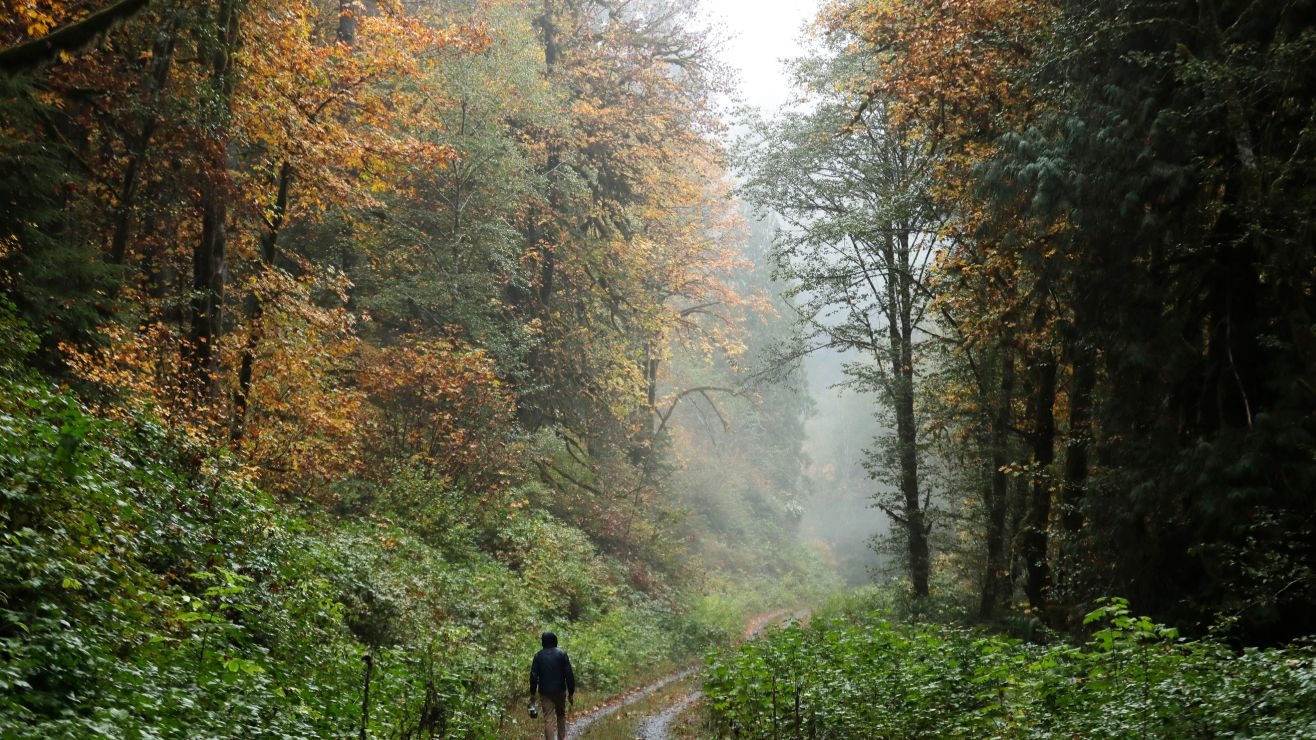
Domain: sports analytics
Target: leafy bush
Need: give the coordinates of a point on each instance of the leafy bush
(146, 590)
(144, 593)
(860, 675)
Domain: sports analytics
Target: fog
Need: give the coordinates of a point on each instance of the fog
(837, 501)
(759, 35)
(838, 508)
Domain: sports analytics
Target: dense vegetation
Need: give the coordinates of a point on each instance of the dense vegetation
(856, 672)
(349, 345)
(151, 589)
(1068, 249)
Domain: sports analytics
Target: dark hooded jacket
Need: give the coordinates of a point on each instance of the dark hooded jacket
(550, 671)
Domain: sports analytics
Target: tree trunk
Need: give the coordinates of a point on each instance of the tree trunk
(162, 54)
(1073, 487)
(542, 236)
(208, 276)
(1079, 443)
(209, 268)
(347, 12)
(369, 659)
(1042, 435)
(548, 259)
(900, 332)
(996, 584)
(269, 240)
(29, 55)
(907, 440)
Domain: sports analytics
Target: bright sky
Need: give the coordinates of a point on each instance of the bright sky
(762, 32)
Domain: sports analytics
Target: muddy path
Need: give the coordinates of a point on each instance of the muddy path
(579, 723)
(658, 725)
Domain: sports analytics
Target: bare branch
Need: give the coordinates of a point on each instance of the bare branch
(702, 390)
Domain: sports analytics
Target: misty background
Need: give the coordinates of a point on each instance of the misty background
(835, 502)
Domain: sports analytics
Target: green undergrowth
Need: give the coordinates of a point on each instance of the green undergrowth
(144, 593)
(147, 590)
(856, 673)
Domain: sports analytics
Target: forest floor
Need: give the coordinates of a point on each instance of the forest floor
(658, 710)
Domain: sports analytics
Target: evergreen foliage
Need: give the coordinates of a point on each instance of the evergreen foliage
(1114, 317)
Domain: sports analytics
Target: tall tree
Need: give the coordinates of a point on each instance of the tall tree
(628, 246)
(854, 189)
(949, 73)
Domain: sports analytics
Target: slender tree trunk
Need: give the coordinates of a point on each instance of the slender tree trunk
(900, 334)
(996, 584)
(542, 235)
(208, 276)
(907, 439)
(651, 378)
(162, 54)
(1074, 489)
(209, 268)
(548, 259)
(269, 240)
(647, 418)
(1042, 435)
(369, 659)
(347, 12)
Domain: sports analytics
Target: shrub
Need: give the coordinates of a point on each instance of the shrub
(855, 675)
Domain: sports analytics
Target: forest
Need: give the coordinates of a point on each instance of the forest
(348, 345)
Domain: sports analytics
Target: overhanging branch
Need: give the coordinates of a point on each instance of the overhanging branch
(546, 469)
(703, 390)
(31, 54)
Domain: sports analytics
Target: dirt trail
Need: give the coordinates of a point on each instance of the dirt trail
(578, 724)
(657, 725)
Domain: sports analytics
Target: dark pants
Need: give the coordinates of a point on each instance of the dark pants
(553, 708)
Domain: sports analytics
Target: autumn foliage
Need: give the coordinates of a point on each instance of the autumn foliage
(438, 404)
(350, 239)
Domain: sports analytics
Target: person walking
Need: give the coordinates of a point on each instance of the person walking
(552, 678)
